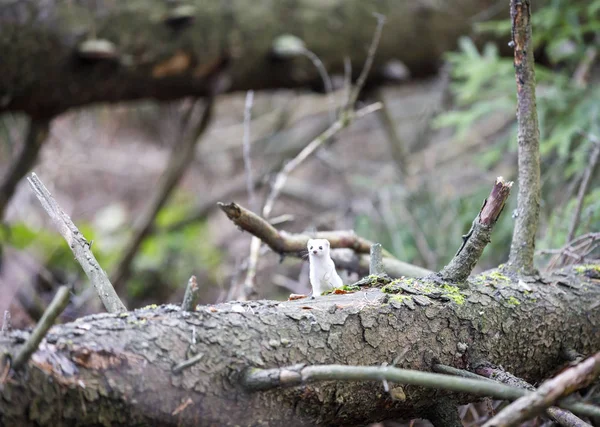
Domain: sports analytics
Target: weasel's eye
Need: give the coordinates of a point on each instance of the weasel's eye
(310, 248)
(321, 247)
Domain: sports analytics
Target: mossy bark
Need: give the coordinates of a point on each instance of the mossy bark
(116, 369)
(151, 49)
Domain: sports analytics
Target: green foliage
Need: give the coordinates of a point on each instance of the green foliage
(483, 84)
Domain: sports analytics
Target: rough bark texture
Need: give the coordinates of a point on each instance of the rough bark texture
(116, 369)
(160, 49)
(528, 202)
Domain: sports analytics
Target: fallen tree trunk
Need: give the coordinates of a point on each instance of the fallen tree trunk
(60, 54)
(117, 369)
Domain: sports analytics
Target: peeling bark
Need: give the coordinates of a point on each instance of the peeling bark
(60, 54)
(116, 369)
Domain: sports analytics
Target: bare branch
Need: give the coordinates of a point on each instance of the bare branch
(192, 295)
(549, 392)
(561, 416)
(79, 246)
(528, 202)
(247, 157)
(461, 266)
(37, 132)
(180, 159)
(56, 307)
(290, 376)
(289, 167)
(293, 244)
(583, 188)
(368, 63)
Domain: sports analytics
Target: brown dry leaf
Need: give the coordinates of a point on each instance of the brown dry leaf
(296, 296)
(342, 292)
(213, 310)
(306, 307)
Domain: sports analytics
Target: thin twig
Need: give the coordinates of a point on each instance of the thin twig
(247, 156)
(550, 391)
(290, 376)
(474, 242)
(187, 363)
(528, 202)
(56, 307)
(181, 157)
(583, 188)
(326, 81)
(368, 63)
(192, 295)
(308, 150)
(37, 132)
(79, 246)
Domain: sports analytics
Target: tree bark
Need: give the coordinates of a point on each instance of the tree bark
(59, 54)
(116, 369)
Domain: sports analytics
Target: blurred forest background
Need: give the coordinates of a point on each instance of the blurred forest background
(411, 176)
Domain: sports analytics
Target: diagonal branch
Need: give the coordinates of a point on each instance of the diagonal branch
(585, 183)
(37, 133)
(180, 159)
(56, 307)
(79, 245)
(528, 202)
(475, 241)
(549, 392)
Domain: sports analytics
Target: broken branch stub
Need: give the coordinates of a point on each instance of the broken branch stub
(474, 242)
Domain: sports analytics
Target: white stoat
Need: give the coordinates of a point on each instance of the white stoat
(323, 276)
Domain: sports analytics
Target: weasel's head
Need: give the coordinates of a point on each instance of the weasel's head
(318, 248)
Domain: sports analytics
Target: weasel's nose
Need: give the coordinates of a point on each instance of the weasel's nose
(315, 252)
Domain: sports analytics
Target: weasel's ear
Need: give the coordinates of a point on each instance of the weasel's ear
(327, 243)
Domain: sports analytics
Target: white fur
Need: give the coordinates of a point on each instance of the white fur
(323, 276)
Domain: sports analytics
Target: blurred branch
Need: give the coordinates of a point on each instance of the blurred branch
(396, 143)
(475, 241)
(37, 132)
(549, 392)
(56, 307)
(583, 188)
(360, 83)
(576, 250)
(247, 152)
(79, 246)
(181, 157)
(528, 202)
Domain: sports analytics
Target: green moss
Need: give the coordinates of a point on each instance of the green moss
(513, 301)
(391, 289)
(583, 269)
(346, 288)
(124, 314)
(401, 298)
(150, 307)
(453, 293)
